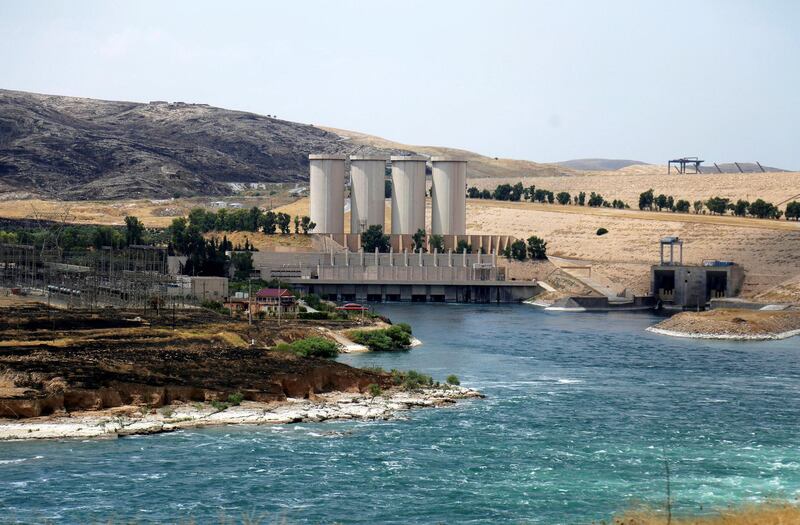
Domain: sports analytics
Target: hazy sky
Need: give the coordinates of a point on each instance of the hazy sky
(539, 80)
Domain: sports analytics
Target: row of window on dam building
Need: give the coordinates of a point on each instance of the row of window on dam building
(367, 197)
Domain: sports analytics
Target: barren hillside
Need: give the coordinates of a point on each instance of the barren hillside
(80, 148)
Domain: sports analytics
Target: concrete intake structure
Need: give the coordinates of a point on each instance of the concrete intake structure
(326, 185)
(408, 194)
(449, 196)
(367, 192)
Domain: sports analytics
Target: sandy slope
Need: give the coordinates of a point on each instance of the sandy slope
(769, 255)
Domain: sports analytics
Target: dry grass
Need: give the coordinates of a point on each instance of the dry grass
(263, 241)
(762, 514)
(479, 165)
(624, 255)
(154, 213)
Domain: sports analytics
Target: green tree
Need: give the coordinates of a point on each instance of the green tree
(306, 224)
(717, 205)
(518, 250)
(474, 193)
(661, 202)
(436, 242)
(764, 210)
(270, 222)
(596, 200)
(537, 248)
(563, 198)
(741, 208)
(793, 211)
(419, 240)
(682, 206)
(242, 263)
(486, 194)
(107, 236)
(516, 192)
(463, 246)
(283, 220)
(540, 195)
(134, 230)
(296, 224)
(698, 206)
(646, 200)
(374, 238)
(582, 198)
(502, 192)
(8, 237)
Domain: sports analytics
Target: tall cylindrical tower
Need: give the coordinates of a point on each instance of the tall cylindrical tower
(326, 185)
(448, 196)
(408, 194)
(367, 187)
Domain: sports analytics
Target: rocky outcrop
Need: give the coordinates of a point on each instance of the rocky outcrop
(129, 420)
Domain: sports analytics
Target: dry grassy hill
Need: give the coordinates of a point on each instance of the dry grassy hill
(479, 165)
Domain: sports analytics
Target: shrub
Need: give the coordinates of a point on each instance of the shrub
(601, 231)
(374, 390)
(563, 198)
(682, 206)
(517, 250)
(717, 205)
(318, 316)
(537, 248)
(236, 399)
(392, 339)
(310, 347)
(219, 406)
(793, 210)
(215, 306)
(452, 379)
(596, 200)
(374, 238)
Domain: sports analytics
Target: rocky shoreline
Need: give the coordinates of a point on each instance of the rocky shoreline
(133, 420)
(731, 324)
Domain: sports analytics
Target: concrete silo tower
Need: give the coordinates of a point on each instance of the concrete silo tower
(326, 185)
(408, 194)
(448, 196)
(367, 187)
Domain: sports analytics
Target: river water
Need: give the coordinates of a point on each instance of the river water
(581, 412)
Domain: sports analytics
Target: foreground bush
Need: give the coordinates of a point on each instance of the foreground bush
(392, 339)
(411, 380)
(310, 347)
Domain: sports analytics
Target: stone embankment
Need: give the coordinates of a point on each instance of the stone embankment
(131, 420)
(732, 324)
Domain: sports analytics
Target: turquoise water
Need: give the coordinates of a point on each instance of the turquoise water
(581, 410)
